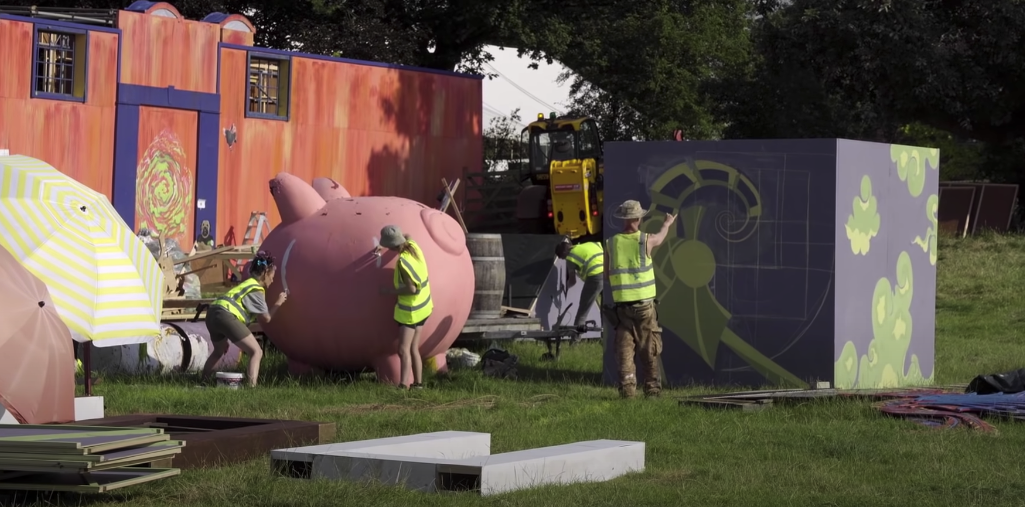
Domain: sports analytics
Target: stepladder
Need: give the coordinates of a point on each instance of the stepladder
(255, 229)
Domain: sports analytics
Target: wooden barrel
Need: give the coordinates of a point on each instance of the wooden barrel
(489, 274)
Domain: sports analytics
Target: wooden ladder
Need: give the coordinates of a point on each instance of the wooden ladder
(254, 230)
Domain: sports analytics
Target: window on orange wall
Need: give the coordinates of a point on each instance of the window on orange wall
(269, 79)
(59, 63)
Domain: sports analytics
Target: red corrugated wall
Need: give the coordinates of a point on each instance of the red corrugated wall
(375, 130)
(76, 138)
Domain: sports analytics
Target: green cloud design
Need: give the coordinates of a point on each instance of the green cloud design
(911, 162)
(882, 366)
(863, 223)
(928, 243)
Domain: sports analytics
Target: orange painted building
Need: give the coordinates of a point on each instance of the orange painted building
(181, 122)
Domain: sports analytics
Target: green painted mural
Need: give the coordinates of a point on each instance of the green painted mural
(911, 162)
(685, 265)
(928, 243)
(863, 222)
(882, 364)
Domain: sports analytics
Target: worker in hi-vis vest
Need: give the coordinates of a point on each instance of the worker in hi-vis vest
(228, 318)
(631, 275)
(586, 261)
(414, 305)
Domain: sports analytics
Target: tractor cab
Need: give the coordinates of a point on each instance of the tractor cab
(565, 158)
(559, 139)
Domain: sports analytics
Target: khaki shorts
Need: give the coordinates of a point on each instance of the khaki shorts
(223, 325)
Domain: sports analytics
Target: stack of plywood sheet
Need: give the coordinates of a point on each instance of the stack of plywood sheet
(82, 459)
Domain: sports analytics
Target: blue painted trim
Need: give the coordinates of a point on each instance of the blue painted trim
(295, 54)
(207, 164)
(215, 18)
(126, 154)
(140, 6)
(50, 27)
(63, 25)
(120, 38)
(217, 87)
(268, 56)
(126, 145)
(169, 97)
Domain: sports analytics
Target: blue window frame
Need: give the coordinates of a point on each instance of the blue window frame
(270, 77)
(59, 63)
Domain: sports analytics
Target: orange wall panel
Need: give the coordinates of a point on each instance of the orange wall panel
(75, 138)
(162, 52)
(166, 185)
(375, 130)
(236, 37)
(15, 59)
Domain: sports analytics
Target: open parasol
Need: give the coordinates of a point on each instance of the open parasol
(37, 364)
(106, 285)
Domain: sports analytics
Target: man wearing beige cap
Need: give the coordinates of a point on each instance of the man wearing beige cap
(631, 275)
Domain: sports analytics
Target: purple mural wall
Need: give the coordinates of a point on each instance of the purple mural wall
(886, 209)
(766, 279)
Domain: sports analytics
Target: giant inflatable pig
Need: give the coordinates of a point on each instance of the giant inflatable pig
(336, 317)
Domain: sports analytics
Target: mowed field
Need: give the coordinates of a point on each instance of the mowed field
(823, 453)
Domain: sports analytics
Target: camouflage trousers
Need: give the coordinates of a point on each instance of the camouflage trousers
(639, 335)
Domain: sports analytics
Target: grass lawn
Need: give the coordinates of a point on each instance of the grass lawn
(835, 453)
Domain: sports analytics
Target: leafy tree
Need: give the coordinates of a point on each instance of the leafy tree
(643, 67)
(502, 146)
(955, 65)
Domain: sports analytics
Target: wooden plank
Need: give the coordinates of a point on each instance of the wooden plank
(99, 457)
(23, 465)
(100, 482)
(509, 309)
(746, 406)
(82, 445)
(501, 324)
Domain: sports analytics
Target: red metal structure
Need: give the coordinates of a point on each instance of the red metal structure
(180, 121)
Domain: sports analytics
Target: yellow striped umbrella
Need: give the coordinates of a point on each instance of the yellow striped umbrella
(105, 283)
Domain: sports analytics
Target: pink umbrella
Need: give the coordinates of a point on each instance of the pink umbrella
(37, 363)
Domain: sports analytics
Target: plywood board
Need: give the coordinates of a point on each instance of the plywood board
(80, 444)
(130, 457)
(93, 482)
(101, 457)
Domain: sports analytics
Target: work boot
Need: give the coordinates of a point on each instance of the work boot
(627, 391)
(652, 393)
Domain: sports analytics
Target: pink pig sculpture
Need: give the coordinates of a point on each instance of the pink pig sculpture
(336, 317)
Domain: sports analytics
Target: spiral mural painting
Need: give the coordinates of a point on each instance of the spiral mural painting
(166, 183)
(790, 262)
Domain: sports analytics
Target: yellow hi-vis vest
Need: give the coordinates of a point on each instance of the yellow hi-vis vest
(631, 274)
(587, 257)
(413, 308)
(232, 301)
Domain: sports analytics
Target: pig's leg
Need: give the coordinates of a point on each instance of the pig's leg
(388, 369)
(298, 369)
(440, 363)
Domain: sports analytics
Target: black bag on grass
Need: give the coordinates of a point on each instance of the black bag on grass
(499, 364)
(1008, 383)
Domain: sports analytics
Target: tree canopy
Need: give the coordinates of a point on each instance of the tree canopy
(937, 71)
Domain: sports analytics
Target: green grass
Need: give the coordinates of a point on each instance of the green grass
(835, 453)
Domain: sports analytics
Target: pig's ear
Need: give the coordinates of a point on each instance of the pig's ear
(330, 189)
(295, 198)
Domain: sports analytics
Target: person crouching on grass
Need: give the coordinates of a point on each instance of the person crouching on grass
(229, 316)
(414, 305)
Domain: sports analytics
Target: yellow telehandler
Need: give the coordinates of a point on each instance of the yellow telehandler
(565, 166)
